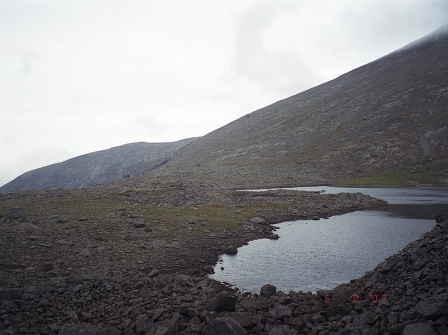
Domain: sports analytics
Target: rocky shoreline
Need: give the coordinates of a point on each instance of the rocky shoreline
(52, 234)
(406, 294)
(197, 256)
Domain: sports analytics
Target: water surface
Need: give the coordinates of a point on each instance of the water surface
(312, 255)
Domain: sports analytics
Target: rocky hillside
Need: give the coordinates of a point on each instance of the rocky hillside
(98, 167)
(383, 123)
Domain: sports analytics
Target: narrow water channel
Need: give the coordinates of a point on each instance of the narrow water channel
(312, 255)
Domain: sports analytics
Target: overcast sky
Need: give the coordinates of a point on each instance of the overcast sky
(82, 76)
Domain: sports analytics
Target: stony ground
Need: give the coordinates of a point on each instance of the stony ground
(127, 263)
(55, 233)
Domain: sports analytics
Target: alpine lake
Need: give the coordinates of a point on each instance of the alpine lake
(312, 255)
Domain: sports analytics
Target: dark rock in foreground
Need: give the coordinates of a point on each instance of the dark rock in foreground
(223, 303)
(395, 298)
(268, 290)
(442, 216)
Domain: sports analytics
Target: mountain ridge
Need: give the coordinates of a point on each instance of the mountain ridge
(381, 123)
(383, 118)
(98, 167)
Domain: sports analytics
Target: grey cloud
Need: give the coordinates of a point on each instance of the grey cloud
(249, 54)
(79, 74)
(274, 72)
(383, 24)
(27, 59)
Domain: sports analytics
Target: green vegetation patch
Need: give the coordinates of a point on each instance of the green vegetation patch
(178, 223)
(100, 212)
(430, 175)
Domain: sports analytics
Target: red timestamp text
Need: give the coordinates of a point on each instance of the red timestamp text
(373, 298)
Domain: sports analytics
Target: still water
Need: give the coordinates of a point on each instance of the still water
(312, 255)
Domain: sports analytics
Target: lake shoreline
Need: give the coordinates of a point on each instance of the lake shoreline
(161, 296)
(197, 262)
(405, 294)
(390, 227)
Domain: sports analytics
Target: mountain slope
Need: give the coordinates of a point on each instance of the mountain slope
(386, 119)
(98, 167)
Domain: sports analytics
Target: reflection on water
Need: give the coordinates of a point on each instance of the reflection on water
(311, 255)
(416, 211)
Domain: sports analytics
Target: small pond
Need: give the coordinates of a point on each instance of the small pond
(312, 255)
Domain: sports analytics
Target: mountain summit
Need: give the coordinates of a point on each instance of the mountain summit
(384, 122)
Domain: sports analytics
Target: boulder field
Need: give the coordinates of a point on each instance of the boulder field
(406, 294)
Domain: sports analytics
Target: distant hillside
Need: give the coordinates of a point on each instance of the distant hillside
(98, 167)
(383, 123)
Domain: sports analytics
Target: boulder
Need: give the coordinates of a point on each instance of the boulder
(419, 264)
(142, 324)
(166, 327)
(85, 253)
(268, 290)
(281, 330)
(223, 303)
(366, 319)
(245, 319)
(154, 273)
(220, 326)
(231, 251)
(157, 313)
(434, 307)
(170, 326)
(208, 269)
(340, 304)
(419, 329)
(296, 324)
(47, 267)
(257, 220)
(280, 312)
